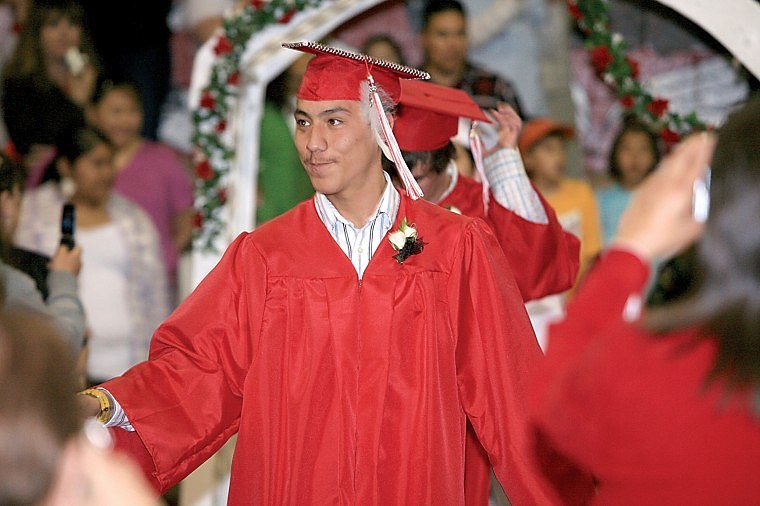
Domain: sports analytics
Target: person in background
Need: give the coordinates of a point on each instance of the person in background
(122, 280)
(543, 257)
(542, 145)
(282, 182)
(633, 156)
(148, 173)
(50, 456)
(342, 346)
(61, 300)
(44, 90)
(663, 407)
(524, 223)
(445, 44)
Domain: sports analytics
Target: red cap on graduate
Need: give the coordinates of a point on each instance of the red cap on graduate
(429, 115)
(337, 74)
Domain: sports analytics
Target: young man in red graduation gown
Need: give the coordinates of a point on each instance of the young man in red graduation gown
(347, 366)
(544, 257)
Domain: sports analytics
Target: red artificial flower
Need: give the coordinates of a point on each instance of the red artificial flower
(287, 16)
(627, 101)
(670, 136)
(257, 4)
(574, 10)
(601, 57)
(222, 195)
(657, 107)
(197, 219)
(207, 100)
(234, 78)
(221, 126)
(203, 170)
(222, 46)
(634, 66)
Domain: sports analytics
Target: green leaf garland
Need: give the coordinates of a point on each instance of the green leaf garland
(213, 157)
(619, 71)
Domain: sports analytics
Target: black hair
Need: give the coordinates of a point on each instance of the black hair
(106, 84)
(433, 7)
(72, 144)
(438, 159)
(632, 125)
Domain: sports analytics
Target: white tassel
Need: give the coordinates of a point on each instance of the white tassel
(476, 148)
(390, 146)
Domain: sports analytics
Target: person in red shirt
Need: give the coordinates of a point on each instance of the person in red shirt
(347, 361)
(664, 407)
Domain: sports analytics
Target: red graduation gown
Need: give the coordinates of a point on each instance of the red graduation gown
(342, 391)
(545, 258)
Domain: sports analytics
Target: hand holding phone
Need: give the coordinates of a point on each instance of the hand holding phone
(68, 221)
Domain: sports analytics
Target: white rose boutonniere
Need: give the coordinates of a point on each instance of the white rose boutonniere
(405, 241)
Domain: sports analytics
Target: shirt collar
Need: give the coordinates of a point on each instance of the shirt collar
(388, 206)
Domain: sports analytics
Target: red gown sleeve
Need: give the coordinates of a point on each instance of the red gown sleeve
(493, 369)
(185, 400)
(544, 257)
(598, 304)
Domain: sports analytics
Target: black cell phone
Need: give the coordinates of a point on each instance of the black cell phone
(68, 222)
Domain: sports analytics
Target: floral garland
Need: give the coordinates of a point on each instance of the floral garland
(213, 156)
(609, 59)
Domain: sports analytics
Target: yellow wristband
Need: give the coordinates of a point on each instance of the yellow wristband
(106, 407)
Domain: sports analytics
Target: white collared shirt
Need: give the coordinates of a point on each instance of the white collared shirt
(359, 244)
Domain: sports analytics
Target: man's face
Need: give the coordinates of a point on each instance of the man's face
(336, 146)
(444, 41)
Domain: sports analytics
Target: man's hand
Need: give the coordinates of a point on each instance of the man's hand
(658, 222)
(509, 125)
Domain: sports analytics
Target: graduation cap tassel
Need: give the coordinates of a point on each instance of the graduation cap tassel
(390, 146)
(476, 148)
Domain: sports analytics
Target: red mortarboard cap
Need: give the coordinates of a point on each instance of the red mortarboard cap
(536, 129)
(336, 74)
(429, 115)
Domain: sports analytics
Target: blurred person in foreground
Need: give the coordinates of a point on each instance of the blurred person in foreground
(664, 407)
(48, 457)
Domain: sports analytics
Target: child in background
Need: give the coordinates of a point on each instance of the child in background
(633, 156)
(542, 145)
(148, 173)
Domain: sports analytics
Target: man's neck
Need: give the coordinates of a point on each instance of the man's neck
(360, 205)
